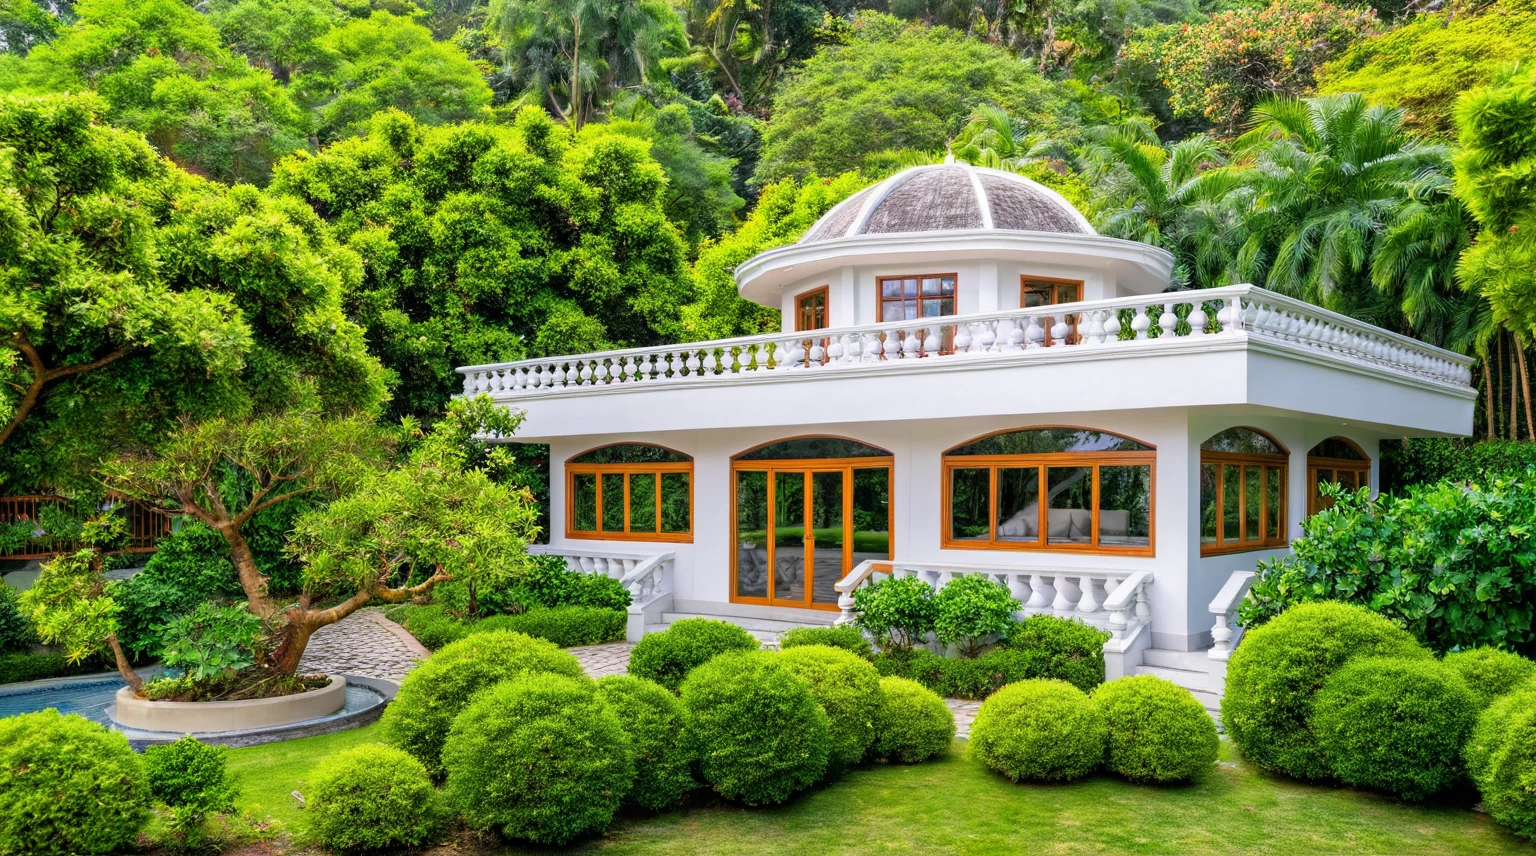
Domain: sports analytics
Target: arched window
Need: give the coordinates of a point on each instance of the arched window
(1066, 489)
(1336, 460)
(629, 492)
(1242, 492)
(804, 448)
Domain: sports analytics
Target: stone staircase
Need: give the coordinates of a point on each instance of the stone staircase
(765, 623)
(1188, 669)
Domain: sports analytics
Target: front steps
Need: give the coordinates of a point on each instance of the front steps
(1188, 669)
(765, 623)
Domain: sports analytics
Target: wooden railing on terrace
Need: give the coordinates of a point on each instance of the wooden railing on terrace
(146, 526)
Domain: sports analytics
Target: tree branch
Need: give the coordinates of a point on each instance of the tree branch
(34, 389)
(66, 371)
(256, 507)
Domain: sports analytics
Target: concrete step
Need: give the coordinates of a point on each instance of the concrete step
(1193, 681)
(1189, 661)
(771, 625)
(768, 638)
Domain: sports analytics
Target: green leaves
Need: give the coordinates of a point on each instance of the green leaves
(211, 641)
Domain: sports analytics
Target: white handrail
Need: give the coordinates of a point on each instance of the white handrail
(846, 586)
(1223, 606)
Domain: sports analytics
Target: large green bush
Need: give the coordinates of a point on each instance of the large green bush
(431, 624)
(1044, 731)
(1158, 732)
(1445, 561)
(371, 797)
(1061, 648)
(1394, 725)
(971, 610)
(1489, 672)
(759, 733)
(436, 691)
(550, 583)
(188, 568)
(541, 758)
(914, 723)
(15, 630)
(1501, 758)
(28, 666)
(844, 636)
(1039, 647)
(68, 787)
(655, 720)
(667, 657)
(1273, 676)
(897, 611)
(1422, 461)
(848, 688)
(566, 626)
(189, 776)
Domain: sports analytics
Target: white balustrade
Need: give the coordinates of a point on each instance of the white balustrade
(646, 576)
(1224, 606)
(1154, 320)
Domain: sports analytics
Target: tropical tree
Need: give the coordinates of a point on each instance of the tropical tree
(281, 36)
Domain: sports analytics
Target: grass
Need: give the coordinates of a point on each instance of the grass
(955, 806)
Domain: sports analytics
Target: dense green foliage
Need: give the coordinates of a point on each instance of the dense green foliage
(187, 569)
(540, 758)
(899, 612)
(15, 630)
(914, 723)
(371, 797)
(971, 610)
(1275, 674)
(69, 787)
(1158, 732)
(566, 626)
(667, 657)
(1039, 731)
(1490, 673)
(654, 719)
(436, 691)
(1040, 647)
(550, 583)
(20, 666)
(848, 688)
(841, 636)
(1446, 561)
(758, 732)
(189, 777)
(1501, 758)
(1425, 460)
(1061, 648)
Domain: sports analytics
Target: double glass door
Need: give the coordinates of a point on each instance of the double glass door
(801, 526)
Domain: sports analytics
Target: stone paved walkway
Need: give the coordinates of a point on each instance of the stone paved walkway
(603, 660)
(364, 643)
(965, 714)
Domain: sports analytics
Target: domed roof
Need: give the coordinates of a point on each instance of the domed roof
(950, 196)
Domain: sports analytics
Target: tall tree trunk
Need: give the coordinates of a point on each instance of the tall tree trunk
(1514, 397)
(1487, 395)
(1525, 389)
(576, 71)
(251, 580)
(1498, 382)
(124, 668)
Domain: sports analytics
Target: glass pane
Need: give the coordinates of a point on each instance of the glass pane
(1018, 504)
(1231, 503)
(1068, 519)
(676, 502)
(1125, 506)
(970, 499)
(584, 502)
(751, 534)
(813, 447)
(1274, 519)
(890, 288)
(827, 525)
(630, 453)
(642, 502)
(613, 502)
(934, 308)
(1347, 479)
(871, 514)
(1037, 295)
(1336, 447)
(1067, 294)
(1242, 441)
(890, 310)
(931, 287)
(1037, 441)
(1208, 487)
(1253, 494)
(909, 310)
(949, 285)
(789, 536)
(909, 287)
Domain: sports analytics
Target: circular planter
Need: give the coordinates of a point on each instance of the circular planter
(199, 717)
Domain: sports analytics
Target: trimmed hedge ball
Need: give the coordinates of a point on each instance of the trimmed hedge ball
(914, 723)
(67, 787)
(371, 797)
(1491, 673)
(1158, 732)
(1040, 731)
(437, 690)
(759, 734)
(540, 758)
(1273, 676)
(667, 657)
(1501, 758)
(844, 636)
(1394, 725)
(848, 688)
(654, 720)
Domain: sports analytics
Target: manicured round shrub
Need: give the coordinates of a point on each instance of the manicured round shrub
(1045, 731)
(436, 691)
(1490, 673)
(540, 758)
(758, 732)
(189, 773)
(667, 657)
(848, 688)
(67, 787)
(370, 797)
(914, 723)
(654, 720)
(1158, 732)
(1274, 674)
(970, 610)
(844, 636)
(1501, 758)
(1394, 725)
(1064, 649)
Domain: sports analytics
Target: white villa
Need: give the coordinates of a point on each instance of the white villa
(976, 382)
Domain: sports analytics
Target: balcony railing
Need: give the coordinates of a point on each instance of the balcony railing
(1185, 317)
(145, 526)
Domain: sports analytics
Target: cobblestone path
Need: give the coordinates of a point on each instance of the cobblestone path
(364, 643)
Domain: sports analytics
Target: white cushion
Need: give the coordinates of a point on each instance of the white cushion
(1114, 524)
(1021, 525)
(1058, 524)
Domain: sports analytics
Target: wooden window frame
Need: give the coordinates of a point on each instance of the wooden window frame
(1056, 282)
(1361, 468)
(1045, 461)
(1267, 464)
(802, 297)
(627, 470)
(880, 282)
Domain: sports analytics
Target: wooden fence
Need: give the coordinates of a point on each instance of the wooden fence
(146, 526)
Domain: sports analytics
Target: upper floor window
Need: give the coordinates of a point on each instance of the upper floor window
(907, 298)
(1339, 461)
(811, 310)
(1065, 489)
(630, 492)
(1036, 291)
(1242, 492)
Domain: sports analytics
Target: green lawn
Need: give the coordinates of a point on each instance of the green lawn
(954, 806)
